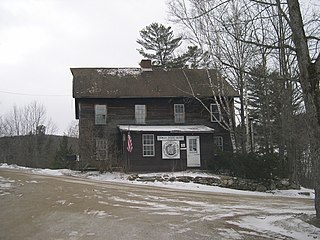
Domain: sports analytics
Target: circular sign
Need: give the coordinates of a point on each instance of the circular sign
(171, 149)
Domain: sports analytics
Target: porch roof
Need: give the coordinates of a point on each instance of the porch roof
(166, 128)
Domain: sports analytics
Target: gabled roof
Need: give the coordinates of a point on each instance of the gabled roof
(135, 83)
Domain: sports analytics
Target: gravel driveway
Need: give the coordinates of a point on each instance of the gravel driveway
(46, 207)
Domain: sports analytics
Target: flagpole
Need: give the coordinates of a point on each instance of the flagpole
(128, 158)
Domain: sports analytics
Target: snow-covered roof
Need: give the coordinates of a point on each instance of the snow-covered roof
(167, 128)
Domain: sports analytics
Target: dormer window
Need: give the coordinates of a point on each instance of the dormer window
(179, 114)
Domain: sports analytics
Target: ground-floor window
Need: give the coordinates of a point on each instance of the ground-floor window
(148, 145)
(101, 149)
(218, 141)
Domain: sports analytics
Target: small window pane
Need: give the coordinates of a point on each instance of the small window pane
(101, 149)
(100, 114)
(140, 114)
(218, 141)
(148, 145)
(179, 115)
(214, 113)
(193, 147)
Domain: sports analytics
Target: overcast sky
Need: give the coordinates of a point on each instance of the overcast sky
(40, 40)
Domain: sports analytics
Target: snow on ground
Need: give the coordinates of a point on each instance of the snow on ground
(288, 222)
(123, 178)
(5, 185)
(288, 226)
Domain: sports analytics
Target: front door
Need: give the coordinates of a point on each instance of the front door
(193, 151)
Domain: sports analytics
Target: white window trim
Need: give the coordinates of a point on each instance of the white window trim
(143, 145)
(179, 117)
(100, 109)
(139, 118)
(212, 118)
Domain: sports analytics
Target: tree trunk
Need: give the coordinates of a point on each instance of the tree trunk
(309, 79)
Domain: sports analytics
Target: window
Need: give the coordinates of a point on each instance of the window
(218, 141)
(214, 113)
(179, 113)
(193, 145)
(148, 145)
(100, 114)
(140, 114)
(101, 149)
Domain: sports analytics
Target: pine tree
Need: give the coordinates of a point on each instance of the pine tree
(61, 154)
(159, 44)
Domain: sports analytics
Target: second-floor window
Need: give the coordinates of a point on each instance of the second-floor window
(140, 114)
(179, 113)
(214, 113)
(100, 114)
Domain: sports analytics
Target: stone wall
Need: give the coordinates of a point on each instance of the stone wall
(223, 181)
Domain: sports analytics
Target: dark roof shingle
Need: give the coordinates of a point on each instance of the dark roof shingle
(135, 83)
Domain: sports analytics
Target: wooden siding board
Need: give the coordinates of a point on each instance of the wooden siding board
(159, 112)
(157, 163)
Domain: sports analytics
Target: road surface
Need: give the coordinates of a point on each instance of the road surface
(46, 207)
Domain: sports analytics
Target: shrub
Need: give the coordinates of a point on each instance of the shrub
(248, 165)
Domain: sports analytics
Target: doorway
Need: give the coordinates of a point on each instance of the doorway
(193, 151)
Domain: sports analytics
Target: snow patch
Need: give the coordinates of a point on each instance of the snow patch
(62, 202)
(97, 213)
(275, 225)
(123, 178)
(119, 72)
(33, 181)
(5, 185)
(48, 172)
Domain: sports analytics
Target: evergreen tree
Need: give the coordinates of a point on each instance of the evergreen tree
(61, 154)
(159, 44)
(193, 58)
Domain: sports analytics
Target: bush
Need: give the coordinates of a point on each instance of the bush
(249, 165)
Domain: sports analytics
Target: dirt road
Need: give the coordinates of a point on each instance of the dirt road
(46, 207)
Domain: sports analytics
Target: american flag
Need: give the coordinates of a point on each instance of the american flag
(129, 144)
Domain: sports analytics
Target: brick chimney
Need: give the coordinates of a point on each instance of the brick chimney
(145, 65)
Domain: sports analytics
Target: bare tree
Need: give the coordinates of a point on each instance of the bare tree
(224, 103)
(73, 129)
(2, 126)
(291, 39)
(28, 120)
(216, 27)
(309, 67)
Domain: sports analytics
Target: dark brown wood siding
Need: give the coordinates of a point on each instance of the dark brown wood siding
(160, 111)
(136, 162)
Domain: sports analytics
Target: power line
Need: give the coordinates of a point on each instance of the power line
(35, 95)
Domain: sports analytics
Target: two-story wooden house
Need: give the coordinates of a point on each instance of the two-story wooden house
(144, 119)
